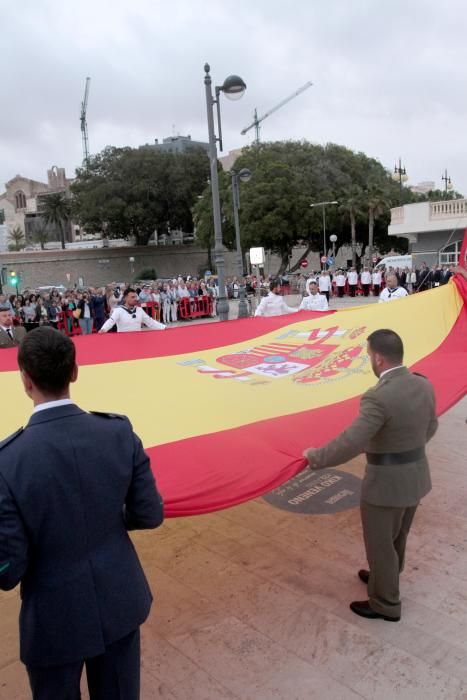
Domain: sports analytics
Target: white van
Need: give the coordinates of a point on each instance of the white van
(394, 261)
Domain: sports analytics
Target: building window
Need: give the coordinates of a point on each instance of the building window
(450, 254)
(20, 200)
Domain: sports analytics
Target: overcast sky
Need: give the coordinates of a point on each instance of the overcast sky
(389, 77)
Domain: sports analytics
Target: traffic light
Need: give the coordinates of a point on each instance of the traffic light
(13, 279)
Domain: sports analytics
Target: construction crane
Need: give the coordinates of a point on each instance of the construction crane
(256, 122)
(84, 125)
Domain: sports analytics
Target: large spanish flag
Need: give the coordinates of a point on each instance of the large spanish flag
(226, 409)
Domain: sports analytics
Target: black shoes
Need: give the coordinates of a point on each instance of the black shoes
(363, 609)
(364, 575)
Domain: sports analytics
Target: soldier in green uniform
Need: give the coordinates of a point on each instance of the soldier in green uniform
(397, 418)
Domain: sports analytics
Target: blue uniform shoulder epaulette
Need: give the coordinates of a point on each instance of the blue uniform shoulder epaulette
(107, 415)
(10, 438)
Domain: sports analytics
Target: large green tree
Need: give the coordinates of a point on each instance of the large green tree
(286, 178)
(126, 192)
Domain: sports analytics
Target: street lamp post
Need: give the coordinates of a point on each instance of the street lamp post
(401, 175)
(333, 239)
(447, 183)
(323, 205)
(233, 88)
(244, 175)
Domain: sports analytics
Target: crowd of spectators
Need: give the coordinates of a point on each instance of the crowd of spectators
(88, 309)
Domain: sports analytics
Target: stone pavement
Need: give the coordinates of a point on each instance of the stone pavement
(251, 603)
(292, 300)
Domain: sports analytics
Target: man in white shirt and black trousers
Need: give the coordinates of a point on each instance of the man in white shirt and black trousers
(130, 317)
(365, 279)
(376, 280)
(352, 279)
(340, 283)
(324, 284)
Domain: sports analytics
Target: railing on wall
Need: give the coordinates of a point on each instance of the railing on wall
(397, 215)
(448, 209)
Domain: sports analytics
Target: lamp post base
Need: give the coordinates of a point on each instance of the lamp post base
(243, 311)
(222, 309)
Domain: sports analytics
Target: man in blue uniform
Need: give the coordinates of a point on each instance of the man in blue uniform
(71, 484)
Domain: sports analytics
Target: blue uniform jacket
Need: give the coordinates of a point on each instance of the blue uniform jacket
(71, 484)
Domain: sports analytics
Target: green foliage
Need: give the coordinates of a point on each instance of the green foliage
(16, 236)
(149, 273)
(40, 235)
(55, 209)
(438, 195)
(125, 192)
(286, 178)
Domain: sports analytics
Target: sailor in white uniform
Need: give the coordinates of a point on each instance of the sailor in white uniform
(352, 279)
(324, 283)
(130, 317)
(365, 279)
(274, 304)
(314, 301)
(392, 290)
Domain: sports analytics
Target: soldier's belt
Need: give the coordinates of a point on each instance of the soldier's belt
(388, 458)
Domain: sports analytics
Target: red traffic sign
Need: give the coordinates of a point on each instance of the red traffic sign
(304, 263)
(324, 258)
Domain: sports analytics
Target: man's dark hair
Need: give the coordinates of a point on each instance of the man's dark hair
(312, 282)
(273, 284)
(128, 291)
(388, 344)
(48, 357)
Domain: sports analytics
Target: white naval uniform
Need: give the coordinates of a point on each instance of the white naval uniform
(391, 294)
(126, 323)
(352, 278)
(324, 283)
(314, 302)
(376, 278)
(273, 305)
(365, 277)
(340, 280)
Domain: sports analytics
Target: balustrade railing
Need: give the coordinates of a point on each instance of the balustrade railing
(397, 215)
(448, 209)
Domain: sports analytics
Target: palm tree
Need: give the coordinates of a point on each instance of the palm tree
(55, 210)
(377, 204)
(352, 205)
(16, 236)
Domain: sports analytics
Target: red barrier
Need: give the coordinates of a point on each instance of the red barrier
(67, 323)
(153, 309)
(195, 307)
(184, 308)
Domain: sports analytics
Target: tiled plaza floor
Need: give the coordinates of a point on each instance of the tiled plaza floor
(252, 603)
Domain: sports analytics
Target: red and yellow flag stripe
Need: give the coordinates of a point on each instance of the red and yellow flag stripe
(226, 409)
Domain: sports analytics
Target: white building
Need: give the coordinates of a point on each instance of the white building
(228, 161)
(424, 187)
(4, 234)
(435, 230)
(19, 201)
